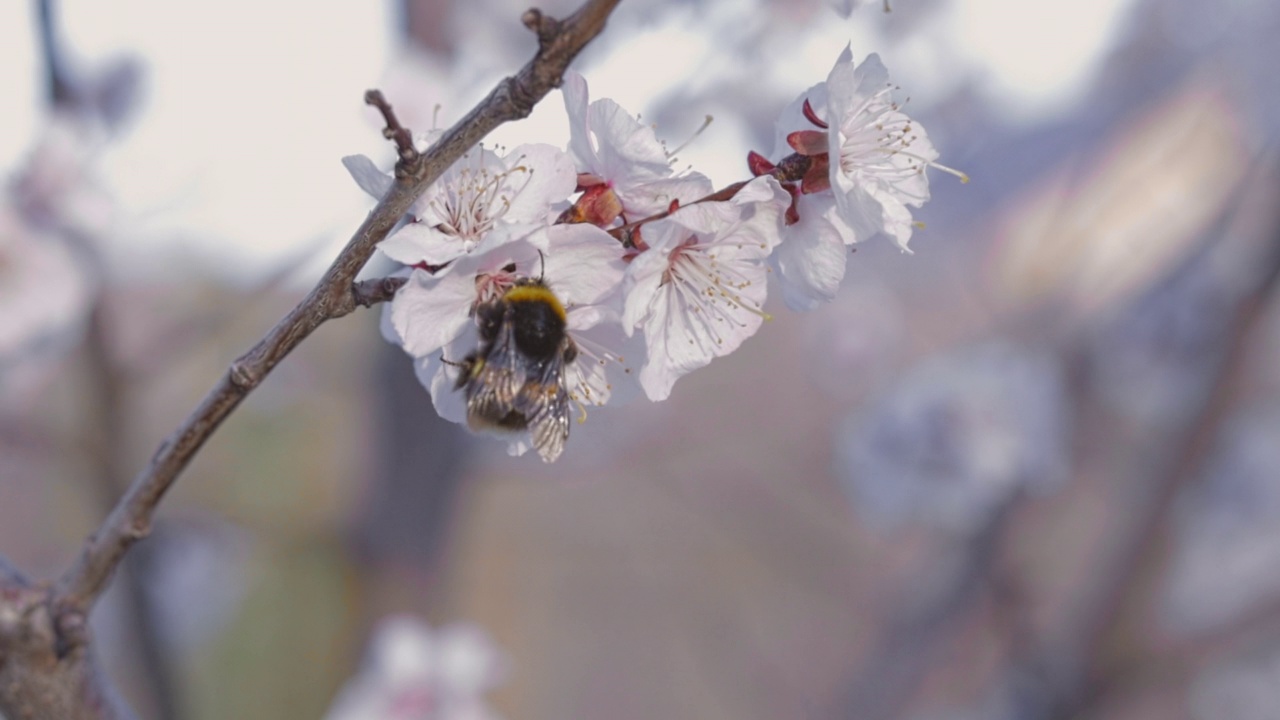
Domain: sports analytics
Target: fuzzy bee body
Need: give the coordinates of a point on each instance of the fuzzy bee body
(515, 380)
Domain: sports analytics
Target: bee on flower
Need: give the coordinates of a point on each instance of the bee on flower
(536, 280)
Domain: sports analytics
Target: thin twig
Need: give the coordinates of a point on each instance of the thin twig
(393, 131)
(513, 98)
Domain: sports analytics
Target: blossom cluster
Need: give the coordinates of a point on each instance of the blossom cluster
(415, 672)
(658, 273)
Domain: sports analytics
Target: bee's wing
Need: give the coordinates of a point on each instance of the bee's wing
(544, 400)
(491, 394)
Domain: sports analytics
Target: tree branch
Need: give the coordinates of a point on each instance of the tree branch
(36, 679)
(513, 98)
(47, 668)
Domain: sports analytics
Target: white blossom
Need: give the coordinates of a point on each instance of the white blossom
(879, 154)
(481, 202)
(698, 292)
(867, 165)
(613, 151)
(432, 316)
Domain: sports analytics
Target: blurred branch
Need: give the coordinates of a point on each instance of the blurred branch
(45, 665)
(1071, 672)
(57, 83)
(105, 421)
(108, 431)
(924, 619)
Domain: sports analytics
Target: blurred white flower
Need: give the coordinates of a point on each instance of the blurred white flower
(57, 186)
(412, 672)
(44, 299)
(957, 437)
(1228, 548)
(844, 8)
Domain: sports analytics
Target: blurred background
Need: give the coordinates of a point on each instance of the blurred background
(1031, 471)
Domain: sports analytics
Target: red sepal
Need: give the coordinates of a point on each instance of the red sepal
(808, 142)
(759, 164)
(812, 116)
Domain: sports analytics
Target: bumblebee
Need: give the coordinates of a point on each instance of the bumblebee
(515, 380)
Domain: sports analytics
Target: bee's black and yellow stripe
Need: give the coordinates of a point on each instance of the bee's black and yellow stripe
(515, 378)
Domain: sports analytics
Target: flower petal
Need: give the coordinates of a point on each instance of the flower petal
(552, 179)
(811, 263)
(430, 311)
(367, 175)
(584, 264)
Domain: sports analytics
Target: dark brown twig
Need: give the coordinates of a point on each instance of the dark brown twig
(393, 131)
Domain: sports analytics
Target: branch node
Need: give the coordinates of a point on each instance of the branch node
(139, 529)
(394, 131)
(242, 375)
(70, 632)
(544, 26)
(367, 293)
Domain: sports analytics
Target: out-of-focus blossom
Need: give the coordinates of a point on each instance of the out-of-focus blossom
(44, 299)
(51, 206)
(844, 8)
(1228, 552)
(57, 187)
(1110, 224)
(412, 672)
(956, 437)
(698, 291)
